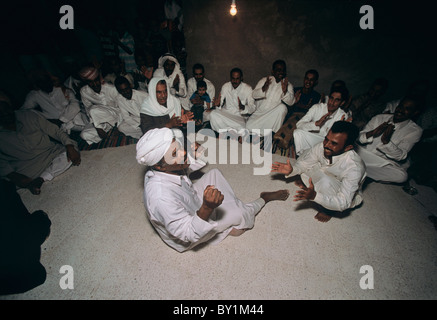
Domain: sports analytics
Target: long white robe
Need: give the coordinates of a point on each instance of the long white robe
(388, 162)
(338, 184)
(102, 110)
(271, 106)
(172, 202)
(130, 113)
(58, 105)
(307, 134)
(228, 115)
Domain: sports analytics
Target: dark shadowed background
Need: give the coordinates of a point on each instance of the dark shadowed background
(320, 34)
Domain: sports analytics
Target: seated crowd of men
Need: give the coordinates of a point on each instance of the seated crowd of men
(296, 118)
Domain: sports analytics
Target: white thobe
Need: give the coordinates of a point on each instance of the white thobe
(172, 202)
(229, 115)
(271, 106)
(191, 88)
(130, 113)
(102, 110)
(58, 105)
(307, 134)
(338, 184)
(388, 162)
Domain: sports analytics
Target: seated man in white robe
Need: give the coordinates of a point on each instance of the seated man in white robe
(233, 104)
(315, 124)
(272, 94)
(129, 101)
(331, 172)
(170, 69)
(199, 75)
(186, 214)
(32, 149)
(58, 104)
(387, 139)
(99, 100)
(161, 109)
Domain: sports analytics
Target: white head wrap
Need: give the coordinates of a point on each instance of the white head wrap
(153, 145)
(151, 107)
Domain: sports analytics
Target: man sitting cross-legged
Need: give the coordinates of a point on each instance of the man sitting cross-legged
(331, 172)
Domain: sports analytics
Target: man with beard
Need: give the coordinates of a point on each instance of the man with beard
(331, 172)
(186, 214)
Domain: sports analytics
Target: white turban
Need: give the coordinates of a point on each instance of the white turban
(153, 145)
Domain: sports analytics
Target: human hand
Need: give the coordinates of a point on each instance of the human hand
(186, 116)
(240, 105)
(305, 193)
(379, 129)
(73, 155)
(266, 85)
(284, 168)
(388, 132)
(216, 101)
(284, 85)
(147, 72)
(212, 197)
(174, 122)
(347, 120)
(297, 96)
(322, 120)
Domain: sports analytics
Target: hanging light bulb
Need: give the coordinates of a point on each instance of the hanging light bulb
(233, 10)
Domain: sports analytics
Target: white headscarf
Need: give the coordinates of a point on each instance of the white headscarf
(151, 107)
(153, 145)
(160, 72)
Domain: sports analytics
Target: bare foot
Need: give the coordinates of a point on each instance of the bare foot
(236, 232)
(322, 217)
(35, 185)
(275, 195)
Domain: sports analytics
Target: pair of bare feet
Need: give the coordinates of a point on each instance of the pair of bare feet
(320, 216)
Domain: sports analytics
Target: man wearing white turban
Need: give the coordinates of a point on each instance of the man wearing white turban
(160, 109)
(99, 100)
(170, 69)
(186, 214)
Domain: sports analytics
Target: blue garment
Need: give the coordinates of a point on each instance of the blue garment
(205, 97)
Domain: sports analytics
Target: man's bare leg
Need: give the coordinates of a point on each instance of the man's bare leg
(267, 197)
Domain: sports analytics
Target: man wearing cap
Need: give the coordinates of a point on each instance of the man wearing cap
(186, 214)
(99, 100)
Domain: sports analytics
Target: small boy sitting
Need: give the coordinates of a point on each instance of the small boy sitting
(197, 99)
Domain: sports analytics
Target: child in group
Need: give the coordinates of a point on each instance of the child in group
(200, 98)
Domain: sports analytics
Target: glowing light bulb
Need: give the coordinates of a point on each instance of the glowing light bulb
(233, 10)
